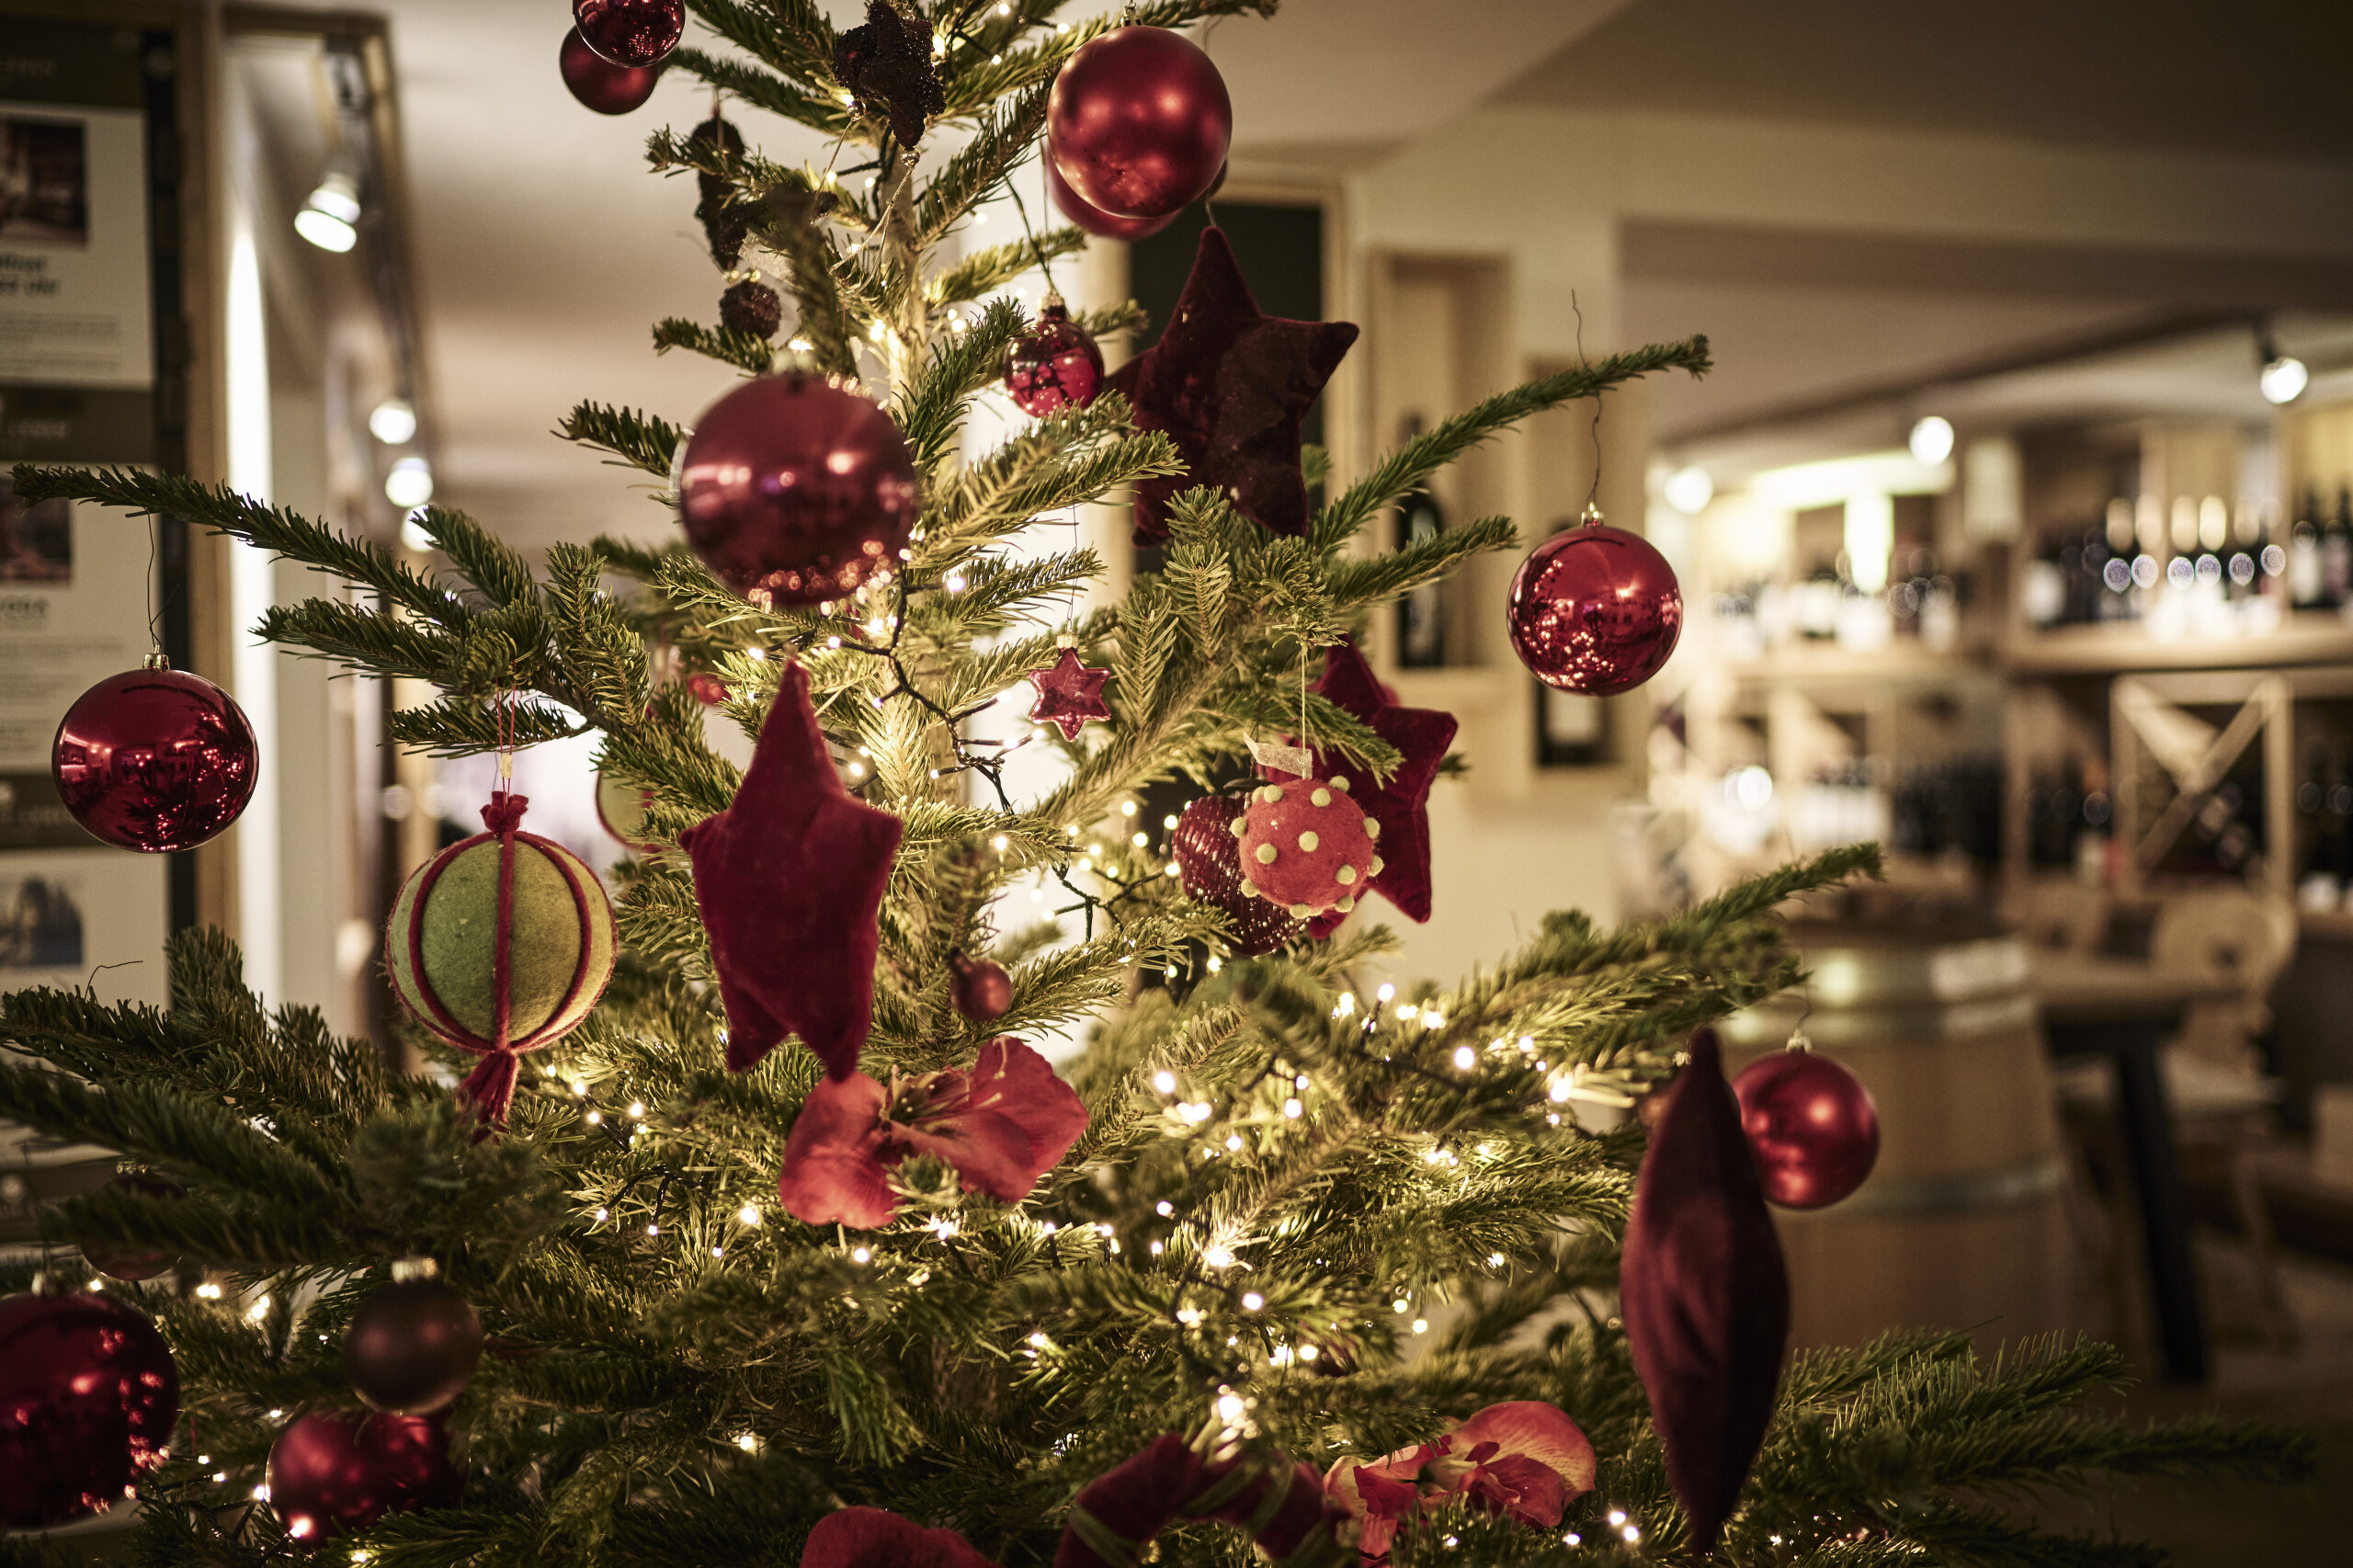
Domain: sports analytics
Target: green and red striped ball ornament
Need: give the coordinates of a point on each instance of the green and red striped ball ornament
(500, 944)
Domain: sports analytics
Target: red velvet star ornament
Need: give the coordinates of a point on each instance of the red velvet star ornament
(789, 879)
(1400, 806)
(1230, 385)
(1069, 694)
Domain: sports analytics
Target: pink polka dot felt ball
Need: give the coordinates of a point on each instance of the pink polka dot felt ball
(1307, 847)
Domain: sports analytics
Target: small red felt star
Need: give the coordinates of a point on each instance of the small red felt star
(1230, 385)
(790, 879)
(1069, 694)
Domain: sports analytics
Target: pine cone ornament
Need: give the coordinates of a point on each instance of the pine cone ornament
(723, 226)
(886, 65)
(751, 306)
(1209, 868)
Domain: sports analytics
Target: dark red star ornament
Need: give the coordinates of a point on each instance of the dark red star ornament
(1069, 694)
(1400, 806)
(1230, 385)
(790, 879)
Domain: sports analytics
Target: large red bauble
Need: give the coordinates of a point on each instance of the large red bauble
(333, 1471)
(630, 32)
(1595, 609)
(1208, 870)
(599, 82)
(1811, 1126)
(412, 1347)
(1139, 122)
(154, 759)
(88, 1398)
(1055, 367)
(1094, 220)
(795, 490)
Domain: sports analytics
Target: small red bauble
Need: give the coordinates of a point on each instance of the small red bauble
(1055, 367)
(1094, 220)
(708, 688)
(1307, 847)
(599, 84)
(1209, 868)
(1139, 122)
(1595, 609)
(980, 988)
(333, 1471)
(1811, 1126)
(120, 1260)
(795, 490)
(88, 1398)
(412, 1347)
(630, 32)
(154, 759)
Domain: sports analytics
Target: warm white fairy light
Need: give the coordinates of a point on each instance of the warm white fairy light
(747, 1215)
(258, 1311)
(1401, 1306)
(593, 1116)
(1157, 1248)
(580, 1087)
(1234, 1141)
(860, 1255)
(1465, 1058)
(1164, 1081)
(718, 1252)
(1216, 963)
(601, 1216)
(1165, 1209)
(1000, 843)
(275, 1415)
(1127, 808)
(1386, 992)
(1496, 1260)
(746, 1442)
(1252, 1300)
(652, 1229)
(1345, 1006)
(637, 1110)
(1616, 1517)
(209, 1292)
(1292, 1109)
(1421, 1325)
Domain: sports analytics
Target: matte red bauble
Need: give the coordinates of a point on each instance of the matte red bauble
(1209, 868)
(1055, 367)
(119, 1260)
(1595, 609)
(795, 490)
(630, 32)
(154, 759)
(333, 1471)
(1139, 122)
(411, 1347)
(1811, 1126)
(599, 84)
(1094, 220)
(88, 1398)
(980, 987)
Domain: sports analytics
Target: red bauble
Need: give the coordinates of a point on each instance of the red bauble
(1595, 609)
(1208, 870)
(630, 32)
(1055, 367)
(412, 1347)
(980, 987)
(1811, 1126)
(1093, 219)
(708, 688)
(1139, 122)
(795, 490)
(88, 1398)
(333, 1471)
(599, 82)
(120, 1260)
(154, 759)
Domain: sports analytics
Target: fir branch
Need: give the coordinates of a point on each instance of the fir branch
(991, 269)
(747, 351)
(639, 439)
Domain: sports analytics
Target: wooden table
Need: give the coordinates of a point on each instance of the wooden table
(2125, 1011)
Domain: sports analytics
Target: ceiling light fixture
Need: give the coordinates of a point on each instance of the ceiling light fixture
(410, 484)
(394, 422)
(1689, 490)
(1931, 439)
(330, 219)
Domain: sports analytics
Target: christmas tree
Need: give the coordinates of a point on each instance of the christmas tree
(794, 1248)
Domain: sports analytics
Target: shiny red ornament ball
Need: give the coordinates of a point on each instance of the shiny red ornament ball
(412, 1347)
(630, 32)
(599, 84)
(1595, 609)
(1093, 219)
(88, 1398)
(154, 759)
(1306, 845)
(708, 688)
(1139, 122)
(333, 1471)
(1811, 1126)
(795, 490)
(1055, 367)
(1208, 870)
(122, 1261)
(980, 988)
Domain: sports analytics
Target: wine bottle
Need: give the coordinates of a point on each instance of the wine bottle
(2304, 554)
(2336, 552)
(1421, 612)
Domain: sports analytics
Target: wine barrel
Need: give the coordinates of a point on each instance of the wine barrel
(1960, 1224)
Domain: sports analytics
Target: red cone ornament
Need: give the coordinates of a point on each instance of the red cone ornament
(980, 988)
(333, 1470)
(1595, 609)
(795, 490)
(630, 32)
(1055, 367)
(1704, 1294)
(1209, 868)
(88, 1398)
(1093, 219)
(1810, 1125)
(599, 84)
(411, 1348)
(1139, 122)
(154, 759)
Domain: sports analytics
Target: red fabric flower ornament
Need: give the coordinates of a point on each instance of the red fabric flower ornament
(876, 1537)
(1523, 1459)
(1002, 1123)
